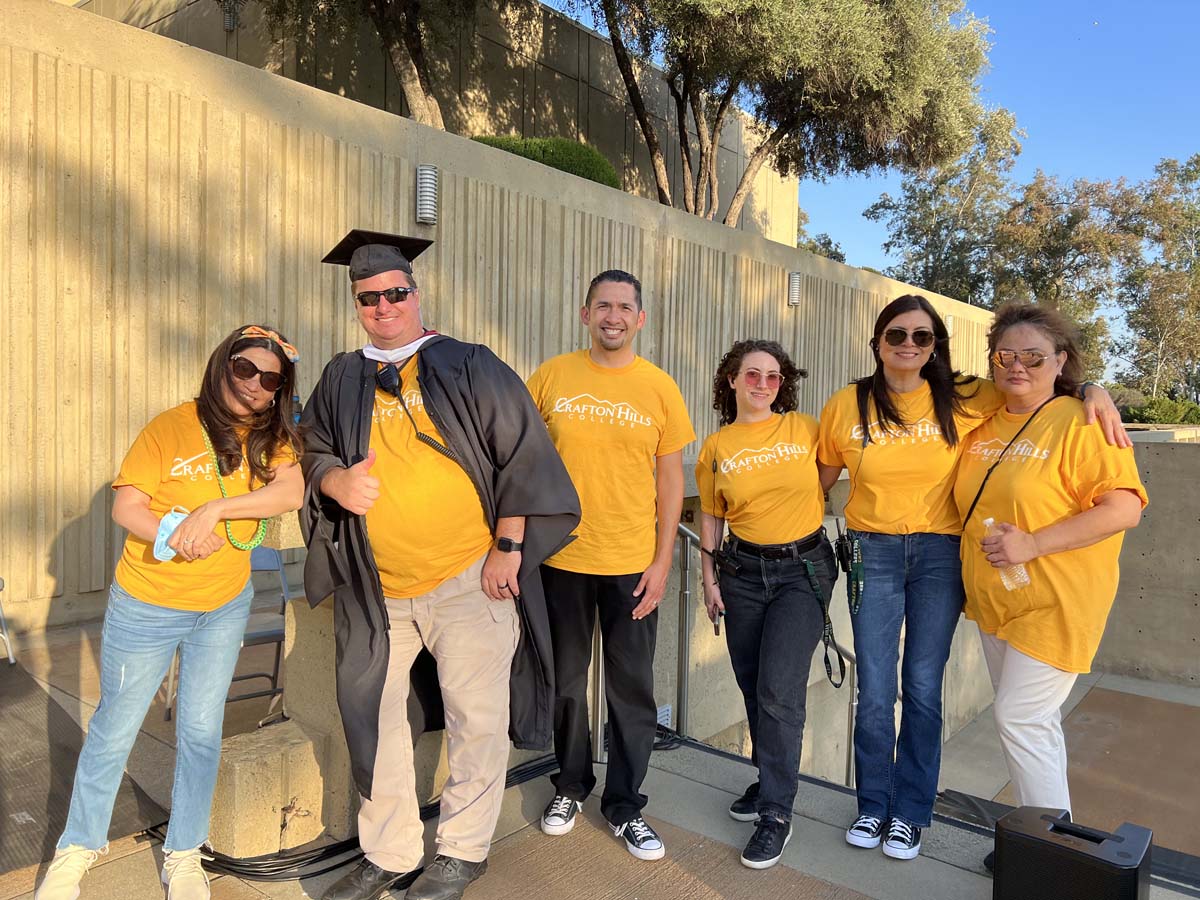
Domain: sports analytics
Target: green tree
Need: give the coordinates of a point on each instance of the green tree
(942, 222)
(1065, 246)
(834, 86)
(409, 31)
(1160, 292)
(821, 244)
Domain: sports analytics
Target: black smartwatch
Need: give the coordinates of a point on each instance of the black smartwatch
(508, 545)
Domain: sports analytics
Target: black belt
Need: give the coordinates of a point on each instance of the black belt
(794, 550)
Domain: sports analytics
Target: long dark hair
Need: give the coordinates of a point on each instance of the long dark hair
(267, 432)
(724, 398)
(1060, 331)
(945, 383)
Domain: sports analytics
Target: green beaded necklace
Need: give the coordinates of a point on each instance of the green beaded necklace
(262, 523)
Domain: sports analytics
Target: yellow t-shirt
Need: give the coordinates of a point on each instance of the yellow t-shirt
(1057, 468)
(170, 464)
(609, 425)
(902, 481)
(428, 523)
(765, 484)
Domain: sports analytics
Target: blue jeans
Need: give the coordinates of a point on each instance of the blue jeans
(137, 645)
(914, 580)
(773, 623)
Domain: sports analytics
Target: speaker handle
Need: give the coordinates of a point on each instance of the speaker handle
(1066, 826)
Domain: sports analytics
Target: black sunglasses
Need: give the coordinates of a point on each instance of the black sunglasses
(922, 337)
(1030, 359)
(391, 295)
(243, 369)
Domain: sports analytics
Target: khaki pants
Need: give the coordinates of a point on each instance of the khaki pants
(473, 640)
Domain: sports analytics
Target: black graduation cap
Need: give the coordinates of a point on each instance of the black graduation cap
(368, 253)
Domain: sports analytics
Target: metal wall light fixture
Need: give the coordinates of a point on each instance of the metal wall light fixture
(795, 281)
(427, 195)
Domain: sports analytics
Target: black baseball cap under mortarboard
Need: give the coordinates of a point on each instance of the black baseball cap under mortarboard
(368, 253)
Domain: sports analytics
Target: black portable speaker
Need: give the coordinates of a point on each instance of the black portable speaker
(1042, 855)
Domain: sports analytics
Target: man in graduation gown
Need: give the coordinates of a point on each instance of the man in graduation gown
(433, 493)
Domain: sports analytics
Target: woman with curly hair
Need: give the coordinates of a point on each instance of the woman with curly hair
(193, 493)
(758, 474)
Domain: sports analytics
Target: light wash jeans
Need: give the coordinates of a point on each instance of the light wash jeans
(137, 644)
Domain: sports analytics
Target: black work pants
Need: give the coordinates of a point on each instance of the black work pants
(573, 600)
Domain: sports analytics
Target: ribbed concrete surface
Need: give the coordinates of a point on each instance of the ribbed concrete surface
(591, 864)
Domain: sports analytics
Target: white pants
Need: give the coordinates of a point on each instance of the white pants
(1028, 712)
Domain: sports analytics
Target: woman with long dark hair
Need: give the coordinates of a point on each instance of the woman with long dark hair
(898, 432)
(758, 474)
(193, 492)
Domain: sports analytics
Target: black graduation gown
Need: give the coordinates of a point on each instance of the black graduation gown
(483, 413)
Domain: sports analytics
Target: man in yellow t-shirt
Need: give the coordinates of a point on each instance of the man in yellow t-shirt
(433, 494)
(620, 424)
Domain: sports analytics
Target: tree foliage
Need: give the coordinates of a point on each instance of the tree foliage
(834, 86)
(821, 244)
(558, 153)
(942, 223)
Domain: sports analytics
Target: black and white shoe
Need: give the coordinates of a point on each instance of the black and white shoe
(903, 841)
(640, 839)
(867, 831)
(767, 843)
(745, 807)
(559, 817)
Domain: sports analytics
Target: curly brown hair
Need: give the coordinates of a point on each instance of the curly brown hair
(267, 432)
(1057, 328)
(724, 398)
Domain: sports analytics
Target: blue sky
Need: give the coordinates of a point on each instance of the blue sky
(1103, 89)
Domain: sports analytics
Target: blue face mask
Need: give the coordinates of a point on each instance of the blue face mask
(166, 528)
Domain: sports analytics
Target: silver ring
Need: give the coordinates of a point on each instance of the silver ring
(186, 541)
(504, 586)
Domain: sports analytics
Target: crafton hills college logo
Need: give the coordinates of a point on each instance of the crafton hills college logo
(1022, 451)
(587, 408)
(749, 459)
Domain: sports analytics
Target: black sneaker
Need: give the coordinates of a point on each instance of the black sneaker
(767, 843)
(903, 841)
(745, 807)
(640, 839)
(559, 817)
(867, 831)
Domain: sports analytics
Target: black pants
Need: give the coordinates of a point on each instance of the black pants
(773, 624)
(573, 600)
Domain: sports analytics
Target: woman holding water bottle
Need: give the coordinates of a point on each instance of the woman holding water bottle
(1045, 503)
(193, 492)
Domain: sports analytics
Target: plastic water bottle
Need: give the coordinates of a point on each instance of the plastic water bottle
(1013, 577)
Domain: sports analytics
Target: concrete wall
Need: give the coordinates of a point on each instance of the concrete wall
(1154, 628)
(530, 71)
(153, 196)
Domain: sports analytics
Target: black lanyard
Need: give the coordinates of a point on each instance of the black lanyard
(1000, 458)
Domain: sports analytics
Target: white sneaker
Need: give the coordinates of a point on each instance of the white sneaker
(640, 839)
(559, 817)
(184, 876)
(66, 871)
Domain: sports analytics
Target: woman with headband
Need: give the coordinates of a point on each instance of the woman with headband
(193, 492)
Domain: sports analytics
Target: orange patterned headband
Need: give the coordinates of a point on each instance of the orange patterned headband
(289, 351)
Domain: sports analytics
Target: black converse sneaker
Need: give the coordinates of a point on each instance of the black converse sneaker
(640, 839)
(903, 841)
(767, 843)
(559, 817)
(745, 807)
(867, 831)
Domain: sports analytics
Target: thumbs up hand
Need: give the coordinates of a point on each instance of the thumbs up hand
(354, 488)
